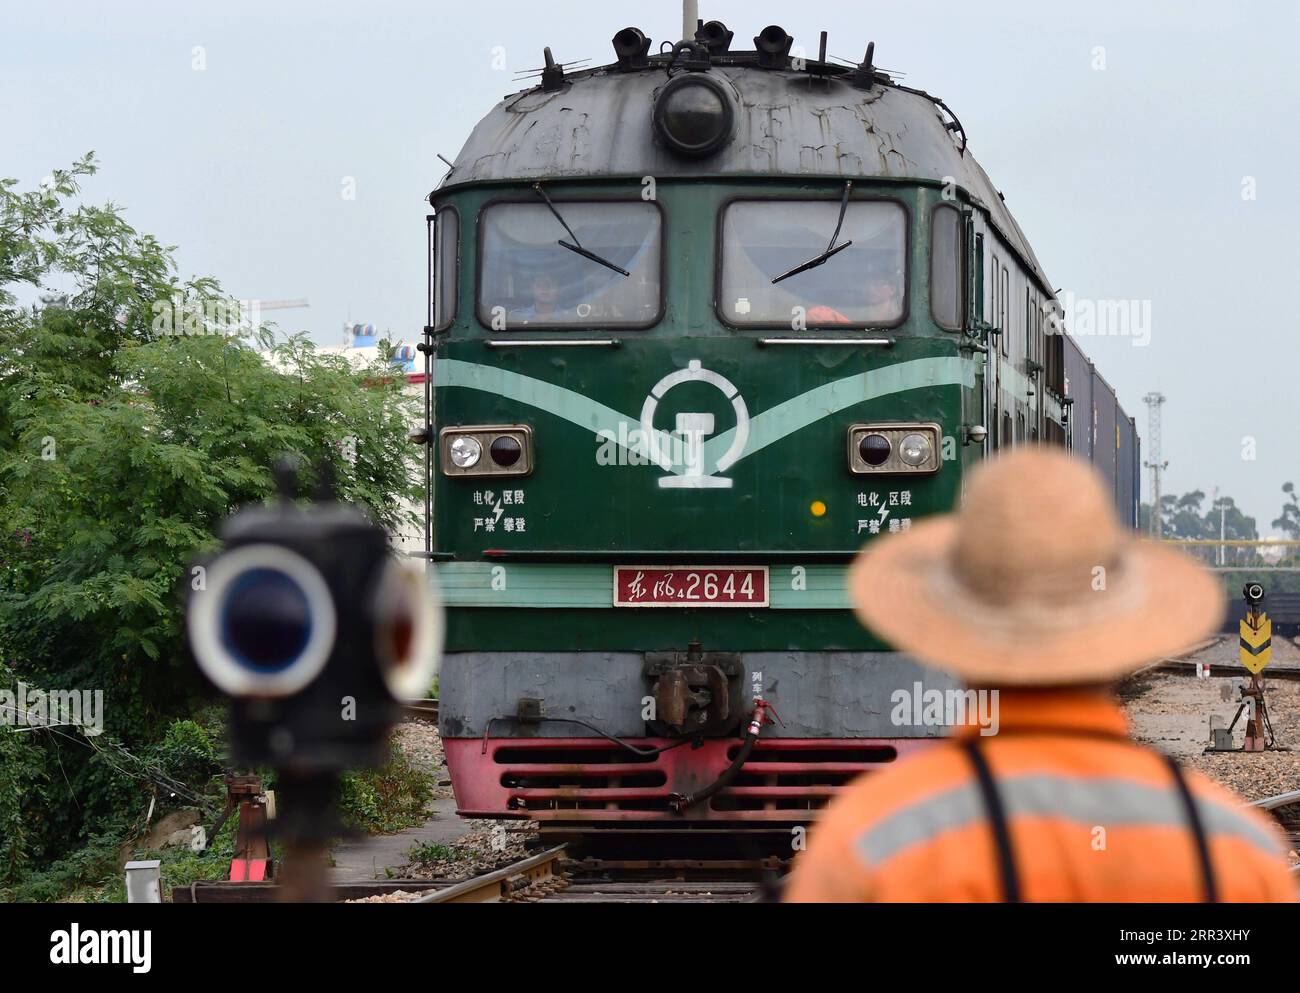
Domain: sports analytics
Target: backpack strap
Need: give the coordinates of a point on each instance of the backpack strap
(996, 813)
(1197, 828)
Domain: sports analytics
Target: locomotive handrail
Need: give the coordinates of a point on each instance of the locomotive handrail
(549, 342)
(714, 557)
(883, 342)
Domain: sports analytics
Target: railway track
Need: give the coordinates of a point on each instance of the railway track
(562, 874)
(558, 876)
(420, 710)
(1285, 809)
(1220, 653)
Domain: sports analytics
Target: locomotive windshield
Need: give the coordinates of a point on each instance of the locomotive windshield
(530, 279)
(859, 285)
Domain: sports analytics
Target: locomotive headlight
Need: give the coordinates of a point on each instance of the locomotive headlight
(487, 450)
(693, 114)
(894, 448)
(465, 452)
(915, 450)
(264, 624)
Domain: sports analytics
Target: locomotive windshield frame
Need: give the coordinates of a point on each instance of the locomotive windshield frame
(798, 196)
(660, 270)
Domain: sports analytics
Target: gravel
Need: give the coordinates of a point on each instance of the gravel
(485, 845)
(1172, 712)
(420, 743)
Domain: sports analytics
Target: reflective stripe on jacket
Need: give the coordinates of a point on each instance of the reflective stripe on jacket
(1090, 816)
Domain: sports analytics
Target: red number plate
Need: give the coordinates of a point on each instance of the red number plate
(690, 586)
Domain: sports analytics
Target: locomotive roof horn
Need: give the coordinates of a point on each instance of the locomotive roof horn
(715, 35)
(773, 46)
(632, 48)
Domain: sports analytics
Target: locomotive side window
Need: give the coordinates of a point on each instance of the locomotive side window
(1002, 314)
(859, 280)
(446, 264)
(1029, 326)
(945, 267)
(569, 264)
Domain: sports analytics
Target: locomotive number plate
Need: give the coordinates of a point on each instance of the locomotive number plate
(690, 586)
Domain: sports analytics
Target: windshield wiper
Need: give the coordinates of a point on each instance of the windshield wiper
(576, 246)
(832, 249)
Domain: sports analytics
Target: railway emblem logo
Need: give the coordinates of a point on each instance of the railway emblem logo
(692, 428)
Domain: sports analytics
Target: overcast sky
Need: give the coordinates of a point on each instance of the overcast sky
(1127, 179)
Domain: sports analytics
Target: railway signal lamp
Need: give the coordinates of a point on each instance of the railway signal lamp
(315, 632)
(1254, 593)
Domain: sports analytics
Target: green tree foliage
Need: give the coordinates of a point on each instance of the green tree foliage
(1187, 517)
(1288, 522)
(122, 446)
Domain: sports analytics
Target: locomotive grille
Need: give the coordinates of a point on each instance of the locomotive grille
(780, 776)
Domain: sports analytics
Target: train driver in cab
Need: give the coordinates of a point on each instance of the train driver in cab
(543, 309)
(884, 296)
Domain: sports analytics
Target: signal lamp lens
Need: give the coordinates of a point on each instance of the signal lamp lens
(915, 450)
(408, 631)
(264, 623)
(266, 620)
(465, 452)
(874, 449)
(505, 450)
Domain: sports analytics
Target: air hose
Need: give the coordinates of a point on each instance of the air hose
(680, 803)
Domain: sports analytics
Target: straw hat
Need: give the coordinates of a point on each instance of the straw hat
(1033, 582)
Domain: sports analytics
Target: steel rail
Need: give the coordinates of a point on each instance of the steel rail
(520, 879)
(1291, 825)
(420, 710)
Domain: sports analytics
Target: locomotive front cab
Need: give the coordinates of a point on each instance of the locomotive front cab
(671, 403)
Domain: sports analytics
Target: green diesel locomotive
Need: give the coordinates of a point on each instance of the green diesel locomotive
(702, 322)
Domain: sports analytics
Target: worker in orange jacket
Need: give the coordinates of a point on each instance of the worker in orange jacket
(1034, 594)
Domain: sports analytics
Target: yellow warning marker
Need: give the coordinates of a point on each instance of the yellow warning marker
(1256, 649)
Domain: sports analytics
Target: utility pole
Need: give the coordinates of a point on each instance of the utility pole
(1222, 527)
(1215, 502)
(1154, 401)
